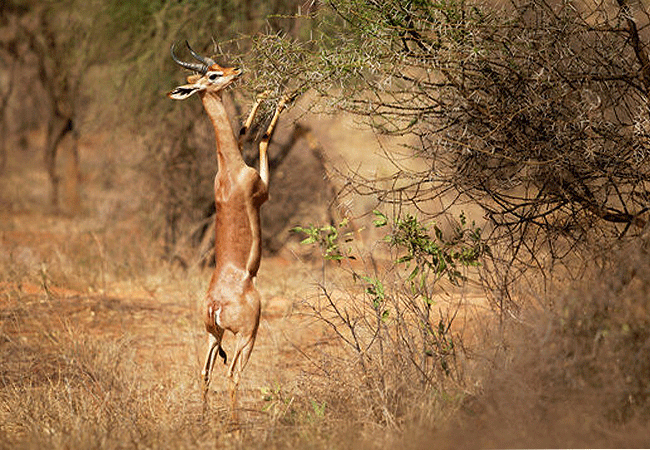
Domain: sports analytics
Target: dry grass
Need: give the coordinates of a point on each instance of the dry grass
(114, 362)
(575, 375)
(102, 346)
(119, 368)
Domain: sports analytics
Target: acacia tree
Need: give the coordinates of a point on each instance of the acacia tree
(5, 94)
(538, 112)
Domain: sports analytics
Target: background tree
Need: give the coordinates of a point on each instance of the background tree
(537, 112)
(55, 41)
(70, 65)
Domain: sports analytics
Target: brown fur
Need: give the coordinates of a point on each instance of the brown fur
(239, 193)
(232, 302)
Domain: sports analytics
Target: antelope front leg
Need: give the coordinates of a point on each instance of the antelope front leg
(249, 121)
(264, 144)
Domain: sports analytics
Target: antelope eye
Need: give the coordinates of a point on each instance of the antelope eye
(214, 75)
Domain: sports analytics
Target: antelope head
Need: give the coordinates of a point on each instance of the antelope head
(209, 76)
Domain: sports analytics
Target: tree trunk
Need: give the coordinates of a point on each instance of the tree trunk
(58, 127)
(70, 161)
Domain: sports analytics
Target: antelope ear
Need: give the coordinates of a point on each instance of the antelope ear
(184, 91)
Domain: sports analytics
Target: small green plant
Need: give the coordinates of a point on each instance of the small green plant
(274, 398)
(432, 256)
(278, 404)
(288, 409)
(318, 408)
(375, 289)
(328, 238)
(428, 255)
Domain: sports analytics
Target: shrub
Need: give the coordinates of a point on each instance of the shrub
(394, 326)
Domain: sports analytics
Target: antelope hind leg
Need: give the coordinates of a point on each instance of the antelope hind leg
(214, 348)
(237, 365)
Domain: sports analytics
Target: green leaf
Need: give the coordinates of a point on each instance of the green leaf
(319, 409)
(403, 259)
(380, 219)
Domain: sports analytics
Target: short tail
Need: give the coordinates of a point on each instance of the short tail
(222, 353)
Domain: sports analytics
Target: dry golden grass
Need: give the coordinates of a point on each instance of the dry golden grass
(99, 354)
(117, 364)
(102, 345)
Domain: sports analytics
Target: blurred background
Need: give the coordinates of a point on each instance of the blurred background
(455, 247)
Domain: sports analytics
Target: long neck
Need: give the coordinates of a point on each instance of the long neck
(228, 153)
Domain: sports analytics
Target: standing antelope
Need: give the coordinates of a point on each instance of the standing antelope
(232, 301)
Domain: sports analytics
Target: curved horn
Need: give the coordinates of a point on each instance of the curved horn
(201, 68)
(204, 59)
